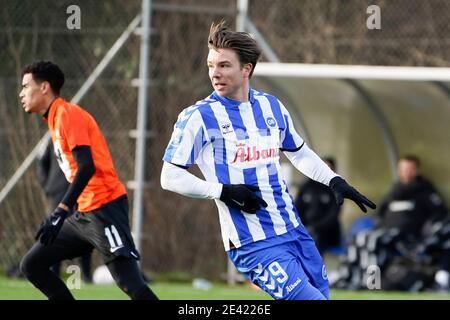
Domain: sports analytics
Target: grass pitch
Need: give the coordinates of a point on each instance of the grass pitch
(19, 289)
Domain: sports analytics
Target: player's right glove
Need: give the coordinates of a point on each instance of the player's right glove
(242, 197)
(50, 226)
(341, 189)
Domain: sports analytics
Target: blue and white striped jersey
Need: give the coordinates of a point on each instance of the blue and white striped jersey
(234, 143)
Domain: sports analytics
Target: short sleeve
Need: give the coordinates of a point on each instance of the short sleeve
(290, 139)
(75, 126)
(187, 140)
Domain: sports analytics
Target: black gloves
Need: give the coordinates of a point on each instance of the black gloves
(341, 189)
(242, 197)
(51, 225)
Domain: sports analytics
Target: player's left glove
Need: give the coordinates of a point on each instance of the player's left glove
(51, 225)
(341, 189)
(242, 197)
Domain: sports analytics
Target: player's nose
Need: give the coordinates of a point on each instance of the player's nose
(215, 73)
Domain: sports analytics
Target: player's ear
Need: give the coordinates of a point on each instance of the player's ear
(247, 69)
(45, 87)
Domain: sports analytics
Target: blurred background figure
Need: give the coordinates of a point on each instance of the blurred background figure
(412, 201)
(410, 238)
(319, 212)
(55, 185)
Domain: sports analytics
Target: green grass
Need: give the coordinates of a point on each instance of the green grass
(14, 289)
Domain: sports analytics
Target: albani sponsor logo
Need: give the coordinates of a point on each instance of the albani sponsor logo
(244, 154)
(291, 287)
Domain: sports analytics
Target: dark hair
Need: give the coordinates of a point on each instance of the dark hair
(221, 37)
(412, 158)
(46, 71)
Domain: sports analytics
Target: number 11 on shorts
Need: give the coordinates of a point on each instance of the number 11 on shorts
(113, 237)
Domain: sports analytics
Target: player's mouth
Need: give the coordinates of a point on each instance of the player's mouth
(25, 107)
(219, 86)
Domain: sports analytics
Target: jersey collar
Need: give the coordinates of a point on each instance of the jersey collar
(233, 103)
(52, 110)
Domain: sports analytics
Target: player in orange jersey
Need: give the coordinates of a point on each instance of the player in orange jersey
(101, 216)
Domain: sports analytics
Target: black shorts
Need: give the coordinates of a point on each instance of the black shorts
(106, 229)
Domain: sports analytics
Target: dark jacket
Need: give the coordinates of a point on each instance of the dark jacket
(319, 213)
(408, 206)
(51, 177)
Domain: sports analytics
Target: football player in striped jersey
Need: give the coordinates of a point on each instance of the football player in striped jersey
(235, 136)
